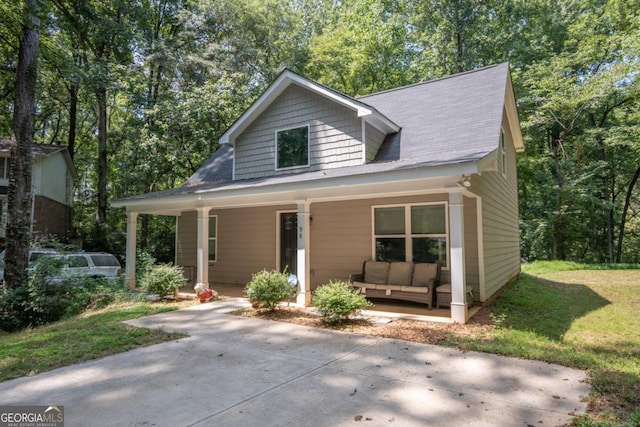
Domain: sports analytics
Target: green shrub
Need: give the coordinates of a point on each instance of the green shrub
(45, 298)
(144, 263)
(163, 279)
(268, 288)
(337, 301)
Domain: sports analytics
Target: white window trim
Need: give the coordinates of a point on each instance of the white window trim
(407, 229)
(5, 160)
(215, 239)
(308, 126)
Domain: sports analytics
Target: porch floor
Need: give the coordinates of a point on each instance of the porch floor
(383, 308)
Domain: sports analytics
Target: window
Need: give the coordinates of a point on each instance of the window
(292, 148)
(213, 238)
(503, 154)
(416, 233)
(4, 167)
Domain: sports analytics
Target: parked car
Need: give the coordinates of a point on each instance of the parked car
(34, 255)
(91, 264)
(78, 264)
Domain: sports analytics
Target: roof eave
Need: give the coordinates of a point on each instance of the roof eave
(511, 110)
(363, 185)
(282, 82)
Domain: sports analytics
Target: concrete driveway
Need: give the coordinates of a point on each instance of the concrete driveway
(236, 371)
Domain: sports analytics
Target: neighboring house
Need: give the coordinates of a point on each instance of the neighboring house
(51, 188)
(316, 181)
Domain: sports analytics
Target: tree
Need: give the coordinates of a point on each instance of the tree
(363, 47)
(583, 100)
(19, 192)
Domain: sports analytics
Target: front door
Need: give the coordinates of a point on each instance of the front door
(289, 242)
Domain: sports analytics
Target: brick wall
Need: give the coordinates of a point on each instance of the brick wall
(51, 218)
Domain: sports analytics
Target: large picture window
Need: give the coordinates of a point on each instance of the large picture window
(292, 146)
(213, 238)
(416, 233)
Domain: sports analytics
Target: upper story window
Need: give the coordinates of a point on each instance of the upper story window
(4, 167)
(292, 148)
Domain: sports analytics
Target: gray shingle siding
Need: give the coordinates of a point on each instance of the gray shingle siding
(373, 139)
(335, 135)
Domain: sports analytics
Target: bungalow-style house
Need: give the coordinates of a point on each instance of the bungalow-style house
(52, 179)
(315, 181)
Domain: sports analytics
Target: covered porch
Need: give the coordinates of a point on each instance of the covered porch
(221, 245)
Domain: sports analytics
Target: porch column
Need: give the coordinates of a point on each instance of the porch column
(132, 230)
(304, 264)
(202, 258)
(457, 261)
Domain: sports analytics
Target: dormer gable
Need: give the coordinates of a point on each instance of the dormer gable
(301, 125)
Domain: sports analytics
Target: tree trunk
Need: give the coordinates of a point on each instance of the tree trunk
(19, 192)
(73, 118)
(101, 214)
(625, 210)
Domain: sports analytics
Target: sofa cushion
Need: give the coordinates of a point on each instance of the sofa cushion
(376, 272)
(424, 273)
(400, 273)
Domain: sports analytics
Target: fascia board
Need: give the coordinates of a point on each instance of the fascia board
(511, 109)
(283, 81)
(396, 182)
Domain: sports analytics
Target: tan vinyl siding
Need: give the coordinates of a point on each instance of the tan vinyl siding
(374, 139)
(246, 242)
(500, 223)
(335, 134)
(186, 239)
(341, 235)
(472, 271)
(341, 239)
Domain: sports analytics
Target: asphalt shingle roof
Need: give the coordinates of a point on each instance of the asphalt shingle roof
(450, 119)
(446, 121)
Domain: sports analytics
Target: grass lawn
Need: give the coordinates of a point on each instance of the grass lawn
(586, 317)
(94, 334)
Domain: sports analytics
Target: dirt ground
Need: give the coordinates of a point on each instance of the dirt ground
(403, 329)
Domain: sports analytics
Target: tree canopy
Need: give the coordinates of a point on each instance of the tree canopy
(140, 91)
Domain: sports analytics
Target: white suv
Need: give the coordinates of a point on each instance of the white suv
(77, 264)
(34, 254)
(91, 264)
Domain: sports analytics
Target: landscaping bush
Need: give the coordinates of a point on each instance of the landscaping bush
(144, 263)
(163, 279)
(42, 299)
(337, 301)
(268, 288)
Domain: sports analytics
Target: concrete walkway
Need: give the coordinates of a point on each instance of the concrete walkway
(236, 371)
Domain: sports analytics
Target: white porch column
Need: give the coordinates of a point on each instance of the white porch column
(202, 258)
(304, 257)
(457, 261)
(132, 230)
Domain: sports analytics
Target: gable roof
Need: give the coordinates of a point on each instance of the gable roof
(285, 79)
(455, 118)
(43, 150)
(441, 127)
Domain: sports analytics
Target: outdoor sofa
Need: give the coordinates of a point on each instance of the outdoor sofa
(406, 281)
